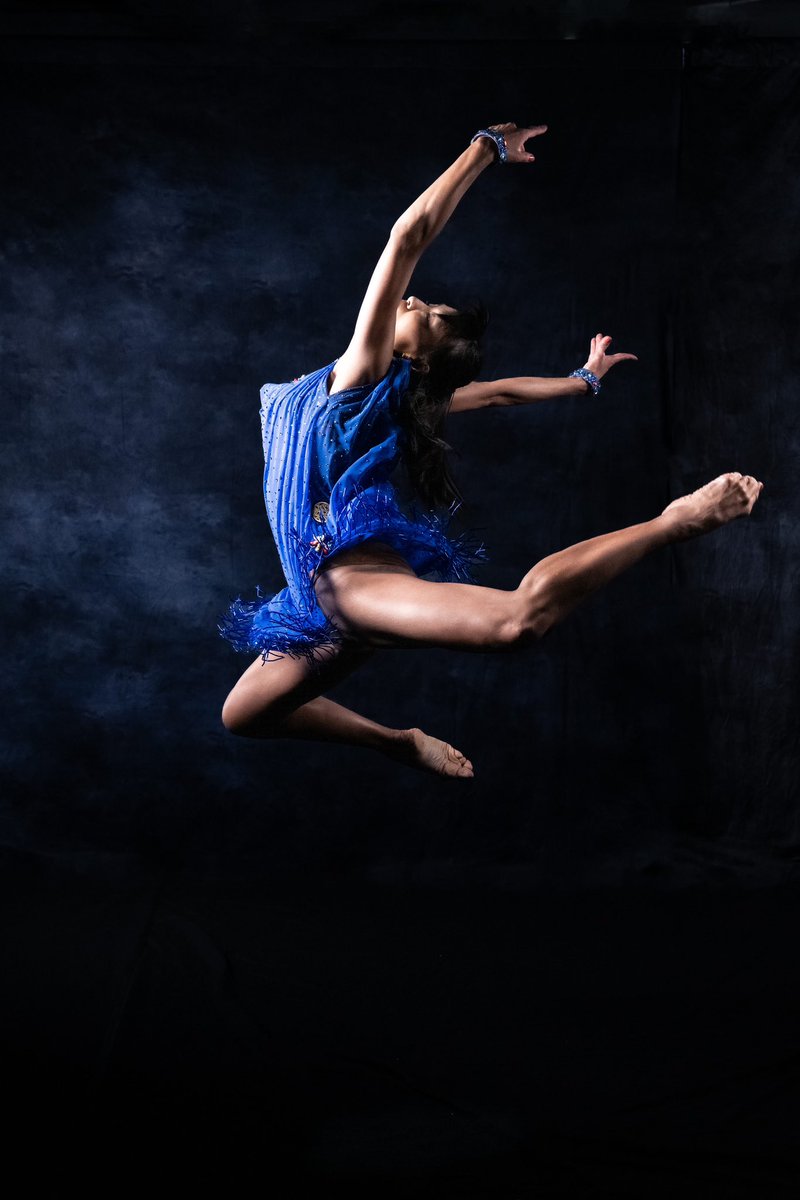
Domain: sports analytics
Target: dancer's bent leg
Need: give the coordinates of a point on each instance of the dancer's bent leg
(391, 606)
(282, 698)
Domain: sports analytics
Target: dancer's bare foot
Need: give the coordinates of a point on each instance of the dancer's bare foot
(427, 753)
(723, 499)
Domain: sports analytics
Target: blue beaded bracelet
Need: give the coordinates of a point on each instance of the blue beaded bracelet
(497, 138)
(591, 379)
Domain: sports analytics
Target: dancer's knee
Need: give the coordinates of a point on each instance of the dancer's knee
(238, 718)
(232, 716)
(518, 629)
(505, 634)
(534, 611)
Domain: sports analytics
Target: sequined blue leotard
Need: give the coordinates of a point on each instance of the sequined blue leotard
(328, 461)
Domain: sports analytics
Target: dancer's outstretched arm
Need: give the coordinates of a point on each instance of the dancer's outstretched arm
(527, 389)
(369, 354)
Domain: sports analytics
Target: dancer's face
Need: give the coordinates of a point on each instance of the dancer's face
(420, 327)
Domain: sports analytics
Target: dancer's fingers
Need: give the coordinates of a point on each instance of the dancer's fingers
(516, 136)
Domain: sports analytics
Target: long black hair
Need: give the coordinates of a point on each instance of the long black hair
(452, 364)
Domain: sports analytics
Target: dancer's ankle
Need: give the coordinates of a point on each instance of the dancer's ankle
(670, 526)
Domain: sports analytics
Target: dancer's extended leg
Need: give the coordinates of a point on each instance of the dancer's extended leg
(375, 597)
(389, 605)
(282, 698)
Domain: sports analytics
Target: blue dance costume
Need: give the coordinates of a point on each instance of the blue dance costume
(327, 486)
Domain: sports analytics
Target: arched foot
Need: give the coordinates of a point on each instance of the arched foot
(426, 753)
(718, 502)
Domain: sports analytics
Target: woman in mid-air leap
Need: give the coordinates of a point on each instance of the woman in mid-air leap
(354, 553)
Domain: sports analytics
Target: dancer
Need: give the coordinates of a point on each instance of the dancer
(354, 551)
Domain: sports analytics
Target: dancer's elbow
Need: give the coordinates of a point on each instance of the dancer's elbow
(411, 233)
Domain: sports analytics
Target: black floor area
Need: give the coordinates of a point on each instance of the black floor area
(455, 1032)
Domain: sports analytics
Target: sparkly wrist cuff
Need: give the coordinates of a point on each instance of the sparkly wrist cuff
(497, 138)
(591, 379)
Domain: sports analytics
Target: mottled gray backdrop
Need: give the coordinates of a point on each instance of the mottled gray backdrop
(183, 219)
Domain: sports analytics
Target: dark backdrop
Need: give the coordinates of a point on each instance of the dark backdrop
(576, 972)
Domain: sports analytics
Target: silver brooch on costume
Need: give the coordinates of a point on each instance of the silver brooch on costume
(320, 511)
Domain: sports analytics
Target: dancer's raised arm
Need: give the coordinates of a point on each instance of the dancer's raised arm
(369, 353)
(358, 554)
(528, 389)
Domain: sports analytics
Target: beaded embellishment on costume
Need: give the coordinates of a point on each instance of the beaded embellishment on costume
(328, 461)
(320, 544)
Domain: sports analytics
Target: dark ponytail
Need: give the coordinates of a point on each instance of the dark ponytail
(454, 363)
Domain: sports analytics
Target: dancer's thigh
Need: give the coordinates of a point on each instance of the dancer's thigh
(396, 608)
(267, 692)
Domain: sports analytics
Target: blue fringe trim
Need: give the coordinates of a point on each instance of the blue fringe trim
(376, 514)
(296, 634)
(306, 632)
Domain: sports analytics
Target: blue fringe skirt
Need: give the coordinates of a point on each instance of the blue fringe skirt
(292, 622)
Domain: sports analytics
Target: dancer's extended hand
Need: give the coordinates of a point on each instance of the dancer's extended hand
(516, 136)
(598, 361)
